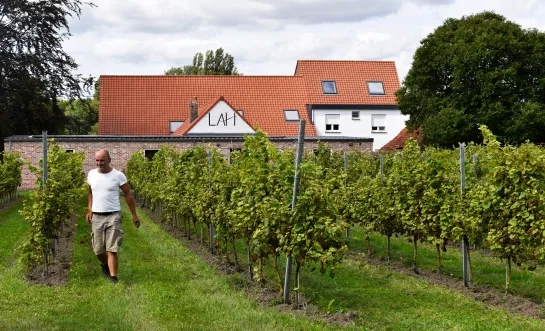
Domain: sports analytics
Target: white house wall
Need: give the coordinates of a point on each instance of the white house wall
(221, 119)
(394, 122)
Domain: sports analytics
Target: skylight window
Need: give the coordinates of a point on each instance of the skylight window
(174, 125)
(329, 87)
(375, 88)
(291, 115)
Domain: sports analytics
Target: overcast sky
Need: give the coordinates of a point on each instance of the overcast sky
(267, 37)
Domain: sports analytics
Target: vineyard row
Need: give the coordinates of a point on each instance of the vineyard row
(414, 193)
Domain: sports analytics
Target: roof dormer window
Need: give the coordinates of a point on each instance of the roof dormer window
(329, 87)
(375, 88)
(174, 125)
(291, 114)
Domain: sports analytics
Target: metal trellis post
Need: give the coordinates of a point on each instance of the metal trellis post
(211, 226)
(465, 240)
(346, 178)
(300, 142)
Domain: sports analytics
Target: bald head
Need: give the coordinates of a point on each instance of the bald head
(105, 153)
(102, 158)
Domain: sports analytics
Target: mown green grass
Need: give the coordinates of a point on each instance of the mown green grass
(164, 286)
(486, 269)
(12, 229)
(387, 300)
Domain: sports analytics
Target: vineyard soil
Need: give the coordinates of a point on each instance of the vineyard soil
(59, 268)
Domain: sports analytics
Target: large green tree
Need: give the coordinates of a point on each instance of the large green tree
(216, 62)
(35, 71)
(479, 69)
(81, 115)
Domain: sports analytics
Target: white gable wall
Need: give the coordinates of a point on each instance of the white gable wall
(221, 119)
(394, 122)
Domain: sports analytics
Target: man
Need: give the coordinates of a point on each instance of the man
(104, 212)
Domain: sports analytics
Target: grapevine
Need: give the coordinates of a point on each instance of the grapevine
(10, 177)
(52, 203)
(413, 192)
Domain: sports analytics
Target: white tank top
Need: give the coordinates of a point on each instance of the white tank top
(105, 188)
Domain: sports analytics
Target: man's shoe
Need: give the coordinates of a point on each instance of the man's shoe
(113, 279)
(105, 270)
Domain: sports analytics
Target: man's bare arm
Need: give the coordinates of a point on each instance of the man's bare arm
(130, 201)
(89, 214)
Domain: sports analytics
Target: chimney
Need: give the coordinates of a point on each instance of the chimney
(193, 109)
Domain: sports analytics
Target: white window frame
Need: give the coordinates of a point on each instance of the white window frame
(378, 122)
(371, 83)
(334, 87)
(331, 120)
(289, 112)
(176, 125)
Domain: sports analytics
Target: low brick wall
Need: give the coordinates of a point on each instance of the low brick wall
(121, 151)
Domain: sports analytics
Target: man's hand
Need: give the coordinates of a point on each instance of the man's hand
(88, 217)
(136, 221)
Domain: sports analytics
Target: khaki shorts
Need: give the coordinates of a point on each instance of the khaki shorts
(106, 234)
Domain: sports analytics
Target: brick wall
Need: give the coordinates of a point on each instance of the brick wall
(120, 152)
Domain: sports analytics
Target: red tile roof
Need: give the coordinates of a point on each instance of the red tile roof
(399, 141)
(144, 105)
(351, 81)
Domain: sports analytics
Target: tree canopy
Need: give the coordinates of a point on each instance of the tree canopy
(214, 63)
(35, 71)
(81, 115)
(479, 69)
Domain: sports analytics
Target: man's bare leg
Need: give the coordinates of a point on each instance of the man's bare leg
(112, 263)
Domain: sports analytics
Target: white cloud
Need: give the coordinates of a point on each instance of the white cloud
(266, 37)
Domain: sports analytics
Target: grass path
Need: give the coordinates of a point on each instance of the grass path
(387, 300)
(163, 286)
(486, 270)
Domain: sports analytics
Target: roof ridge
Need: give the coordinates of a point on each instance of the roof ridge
(381, 61)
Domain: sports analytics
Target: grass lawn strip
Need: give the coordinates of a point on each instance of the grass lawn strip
(387, 298)
(158, 290)
(527, 287)
(12, 230)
